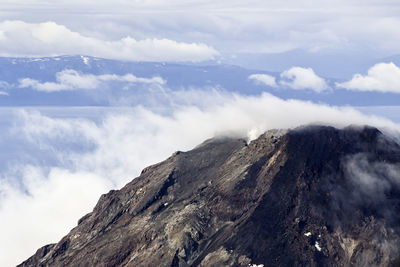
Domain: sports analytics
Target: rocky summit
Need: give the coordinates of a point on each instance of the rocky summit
(312, 196)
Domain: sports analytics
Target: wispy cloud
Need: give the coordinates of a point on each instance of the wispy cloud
(4, 86)
(18, 38)
(72, 80)
(383, 77)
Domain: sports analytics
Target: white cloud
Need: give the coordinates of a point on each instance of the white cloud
(383, 77)
(124, 142)
(72, 80)
(299, 78)
(19, 38)
(3, 93)
(264, 79)
(296, 78)
(4, 85)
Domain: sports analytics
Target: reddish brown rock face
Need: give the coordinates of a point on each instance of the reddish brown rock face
(314, 196)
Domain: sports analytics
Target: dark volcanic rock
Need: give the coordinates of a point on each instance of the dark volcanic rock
(314, 196)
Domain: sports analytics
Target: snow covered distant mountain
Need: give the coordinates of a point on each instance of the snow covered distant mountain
(90, 81)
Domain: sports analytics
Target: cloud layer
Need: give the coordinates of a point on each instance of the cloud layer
(231, 26)
(383, 77)
(18, 38)
(72, 80)
(40, 202)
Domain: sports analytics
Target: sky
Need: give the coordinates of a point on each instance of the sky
(75, 127)
(200, 30)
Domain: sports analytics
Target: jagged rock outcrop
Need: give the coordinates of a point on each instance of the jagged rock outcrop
(313, 196)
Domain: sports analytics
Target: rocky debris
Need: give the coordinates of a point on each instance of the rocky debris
(313, 196)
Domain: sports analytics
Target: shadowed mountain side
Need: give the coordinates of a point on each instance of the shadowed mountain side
(313, 196)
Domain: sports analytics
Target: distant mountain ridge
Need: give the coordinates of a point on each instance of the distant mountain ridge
(221, 77)
(312, 196)
(177, 76)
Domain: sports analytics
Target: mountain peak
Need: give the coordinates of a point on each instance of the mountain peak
(288, 198)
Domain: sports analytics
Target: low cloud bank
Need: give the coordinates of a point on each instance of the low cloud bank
(40, 203)
(72, 80)
(50, 38)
